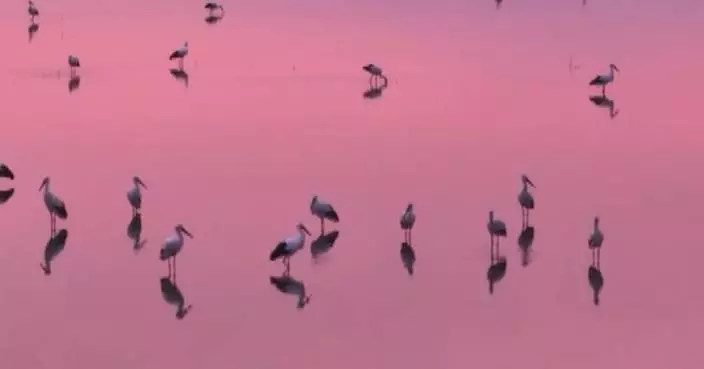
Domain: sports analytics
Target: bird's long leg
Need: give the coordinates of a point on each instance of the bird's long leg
(410, 234)
(287, 266)
(180, 63)
(603, 90)
(598, 258)
(174, 269)
(322, 226)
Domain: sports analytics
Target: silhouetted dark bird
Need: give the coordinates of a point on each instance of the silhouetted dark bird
(53, 248)
(213, 18)
(496, 272)
(323, 243)
(5, 195)
(596, 281)
(595, 241)
(408, 220)
(32, 30)
(408, 257)
(525, 242)
(134, 232)
(173, 296)
(180, 75)
(5, 172)
(289, 285)
(74, 83)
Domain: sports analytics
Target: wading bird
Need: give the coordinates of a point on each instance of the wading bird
(496, 229)
(134, 195)
(324, 211)
(32, 10)
(73, 64)
(6, 172)
(212, 6)
(289, 246)
(408, 219)
(54, 204)
(53, 248)
(172, 246)
(376, 72)
(604, 79)
(525, 199)
(289, 285)
(180, 54)
(408, 257)
(595, 241)
(173, 296)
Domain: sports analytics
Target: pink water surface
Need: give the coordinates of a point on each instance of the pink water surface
(274, 114)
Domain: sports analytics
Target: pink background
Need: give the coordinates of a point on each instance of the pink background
(476, 97)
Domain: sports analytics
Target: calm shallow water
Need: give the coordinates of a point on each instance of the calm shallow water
(475, 98)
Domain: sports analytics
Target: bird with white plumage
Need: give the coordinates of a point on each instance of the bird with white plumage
(605, 78)
(32, 9)
(285, 249)
(595, 241)
(73, 64)
(172, 246)
(324, 211)
(180, 53)
(54, 204)
(134, 195)
(408, 219)
(525, 199)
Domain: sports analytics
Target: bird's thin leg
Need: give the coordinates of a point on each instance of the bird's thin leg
(410, 235)
(498, 250)
(598, 258)
(168, 262)
(603, 90)
(322, 226)
(180, 63)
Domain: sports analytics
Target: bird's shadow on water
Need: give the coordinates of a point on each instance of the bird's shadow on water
(408, 257)
(74, 83)
(174, 297)
(289, 285)
(134, 232)
(497, 269)
(32, 30)
(214, 19)
(603, 101)
(180, 75)
(596, 281)
(525, 244)
(375, 90)
(54, 247)
(5, 195)
(321, 245)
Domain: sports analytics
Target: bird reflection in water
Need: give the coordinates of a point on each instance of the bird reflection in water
(525, 244)
(596, 281)
(497, 263)
(5, 195)
(289, 285)
(498, 3)
(53, 248)
(74, 83)
(603, 101)
(213, 19)
(180, 75)
(134, 232)
(6, 172)
(323, 244)
(32, 30)
(173, 296)
(375, 90)
(408, 257)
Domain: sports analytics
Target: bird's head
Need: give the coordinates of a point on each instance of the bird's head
(614, 67)
(181, 228)
(138, 182)
(368, 67)
(302, 228)
(596, 221)
(314, 200)
(527, 180)
(45, 183)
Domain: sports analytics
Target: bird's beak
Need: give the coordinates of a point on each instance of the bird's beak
(43, 184)
(616, 68)
(530, 182)
(186, 232)
(141, 183)
(305, 230)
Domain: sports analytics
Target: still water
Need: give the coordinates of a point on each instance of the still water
(274, 113)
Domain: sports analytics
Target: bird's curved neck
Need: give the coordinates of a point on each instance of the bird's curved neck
(596, 225)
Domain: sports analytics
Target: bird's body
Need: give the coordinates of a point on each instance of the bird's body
(134, 195)
(289, 285)
(53, 248)
(496, 227)
(408, 257)
(54, 205)
(289, 246)
(605, 78)
(6, 172)
(180, 54)
(324, 211)
(73, 64)
(374, 70)
(595, 241)
(173, 244)
(32, 9)
(408, 219)
(525, 199)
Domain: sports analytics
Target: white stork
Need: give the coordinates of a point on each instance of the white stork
(180, 54)
(408, 219)
(604, 79)
(134, 195)
(32, 10)
(525, 199)
(54, 204)
(496, 228)
(289, 246)
(73, 64)
(595, 241)
(324, 211)
(172, 246)
(375, 73)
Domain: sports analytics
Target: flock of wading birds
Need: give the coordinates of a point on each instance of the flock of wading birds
(289, 246)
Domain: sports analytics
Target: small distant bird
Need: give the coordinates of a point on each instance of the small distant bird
(54, 204)
(134, 195)
(604, 79)
(172, 246)
(73, 64)
(32, 9)
(289, 285)
(180, 54)
(525, 199)
(324, 211)
(408, 219)
(6, 172)
(376, 72)
(496, 228)
(595, 241)
(288, 247)
(408, 257)
(53, 248)
(212, 6)
(596, 281)
(173, 296)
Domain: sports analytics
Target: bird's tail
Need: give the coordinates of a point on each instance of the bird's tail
(279, 251)
(163, 254)
(61, 212)
(332, 216)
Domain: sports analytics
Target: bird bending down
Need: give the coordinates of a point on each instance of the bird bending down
(525, 199)
(172, 246)
(180, 54)
(497, 229)
(32, 10)
(595, 241)
(6, 172)
(324, 211)
(289, 246)
(54, 204)
(134, 195)
(408, 219)
(375, 73)
(73, 64)
(604, 79)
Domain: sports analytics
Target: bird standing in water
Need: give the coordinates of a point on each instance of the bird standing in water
(525, 199)
(134, 195)
(496, 228)
(54, 204)
(324, 211)
(604, 79)
(288, 247)
(595, 241)
(180, 54)
(73, 64)
(408, 219)
(32, 10)
(172, 246)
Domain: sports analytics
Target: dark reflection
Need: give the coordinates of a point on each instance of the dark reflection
(323, 244)
(6, 172)
(497, 268)
(498, 3)
(5, 195)
(53, 248)
(32, 30)
(525, 244)
(180, 75)
(173, 296)
(596, 281)
(74, 83)
(375, 90)
(289, 285)
(603, 101)
(214, 18)
(134, 232)
(408, 257)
